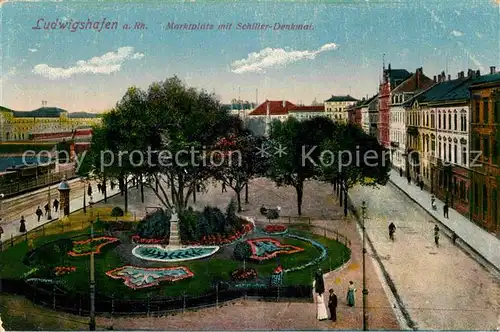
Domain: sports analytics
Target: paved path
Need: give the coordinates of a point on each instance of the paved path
(26, 205)
(486, 244)
(441, 288)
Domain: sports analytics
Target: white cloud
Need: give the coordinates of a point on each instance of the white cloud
(105, 64)
(258, 62)
(479, 35)
(32, 50)
(457, 33)
(457, 12)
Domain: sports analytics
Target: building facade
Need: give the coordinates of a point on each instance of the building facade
(485, 167)
(409, 88)
(260, 119)
(22, 126)
(391, 79)
(366, 115)
(307, 112)
(336, 108)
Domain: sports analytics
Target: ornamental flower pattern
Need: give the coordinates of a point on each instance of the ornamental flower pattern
(141, 277)
(89, 246)
(275, 229)
(266, 248)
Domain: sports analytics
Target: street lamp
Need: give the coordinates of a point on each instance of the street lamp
(365, 291)
(92, 273)
(84, 193)
(49, 215)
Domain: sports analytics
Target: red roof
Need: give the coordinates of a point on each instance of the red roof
(319, 108)
(275, 108)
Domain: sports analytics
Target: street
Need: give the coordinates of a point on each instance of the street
(441, 288)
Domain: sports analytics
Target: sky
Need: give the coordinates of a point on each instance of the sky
(90, 70)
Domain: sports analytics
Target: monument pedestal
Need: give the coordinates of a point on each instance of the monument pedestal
(174, 241)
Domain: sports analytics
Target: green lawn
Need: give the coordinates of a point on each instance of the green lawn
(217, 267)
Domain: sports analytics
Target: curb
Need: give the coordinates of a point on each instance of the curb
(461, 243)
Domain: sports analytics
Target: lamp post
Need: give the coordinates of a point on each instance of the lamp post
(92, 274)
(49, 215)
(365, 291)
(84, 193)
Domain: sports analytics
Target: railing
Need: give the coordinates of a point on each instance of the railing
(40, 182)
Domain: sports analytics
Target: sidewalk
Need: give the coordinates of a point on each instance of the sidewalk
(12, 228)
(485, 244)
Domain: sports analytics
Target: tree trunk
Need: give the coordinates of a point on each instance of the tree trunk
(246, 193)
(345, 201)
(120, 184)
(142, 190)
(194, 194)
(84, 203)
(105, 191)
(238, 196)
(300, 190)
(125, 189)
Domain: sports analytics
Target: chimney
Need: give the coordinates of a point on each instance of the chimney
(284, 103)
(449, 77)
(493, 70)
(435, 79)
(417, 77)
(268, 110)
(478, 73)
(470, 73)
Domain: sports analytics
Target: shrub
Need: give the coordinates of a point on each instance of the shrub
(117, 212)
(50, 253)
(272, 214)
(188, 225)
(242, 251)
(155, 225)
(215, 219)
(231, 217)
(263, 210)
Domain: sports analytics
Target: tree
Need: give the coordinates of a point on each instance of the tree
(236, 161)
(298, 142)
(354, 158)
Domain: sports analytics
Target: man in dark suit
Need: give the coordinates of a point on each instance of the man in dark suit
(332, 305)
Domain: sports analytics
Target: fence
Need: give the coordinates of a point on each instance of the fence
(39, 182)
(79, 304)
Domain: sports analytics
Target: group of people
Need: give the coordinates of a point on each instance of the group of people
(329, 310)
(39, 212)
(392, 230)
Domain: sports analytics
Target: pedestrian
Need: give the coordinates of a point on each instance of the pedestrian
(392, 230)
(1, 233)
(56, 204)
(436, 235)
(46, 208)
(319, 288)
(350, 294)
(113, 185)
(39, 213)
(89, 190)
(454, 237)
(224, 187)
(22, 228)
(445, 210)
(421, 184)
(409, 179)
(401, 172)
(99, 188)
(332, 305)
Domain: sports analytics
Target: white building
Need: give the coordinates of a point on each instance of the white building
(336, 107)
(259, 120)
(367, 116)
(307, 112)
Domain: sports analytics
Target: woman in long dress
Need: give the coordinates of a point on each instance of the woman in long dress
(22, 228)
(322, 312)
(350, 294)
(319, 288)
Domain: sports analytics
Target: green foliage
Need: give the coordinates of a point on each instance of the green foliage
(242, 251)
(188, 225)
(50, 254)
(231, 217)
(117, 212)
(216, 219)
(155, 225)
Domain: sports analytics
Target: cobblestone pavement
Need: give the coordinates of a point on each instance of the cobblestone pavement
(441, 287)
(245, 315)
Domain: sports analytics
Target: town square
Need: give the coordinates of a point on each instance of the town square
(156, 177)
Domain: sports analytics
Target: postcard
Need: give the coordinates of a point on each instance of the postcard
(250, 165)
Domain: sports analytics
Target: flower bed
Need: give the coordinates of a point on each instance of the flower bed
(137, 239)
(244, 274)
(62, 270)
(223, 239)
(160, 254)
(267, 248)
(315, 261)
(89, 246)
(276, 229)
(141, 277)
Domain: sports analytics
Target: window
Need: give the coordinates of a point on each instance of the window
(439, 151)
(456, 121)
(449, 122)
(486, 147)
(439, 121)
(433, 121)
(496, 114)
(494, 152)
(476, 113)
(455, 153)
(427, 119)
(464, 156)
(449, 152)
(444, 121)
(485, 110)
(444, 151)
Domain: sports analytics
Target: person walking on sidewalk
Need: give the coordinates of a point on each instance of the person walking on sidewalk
(99, 188)
(401, 172)
(446, 208)
(350, 294)
(56, 204)
(46, 208)
(421, 184)
(22, 228)
(436, 235)
(224, 187)
(1, 232)
(39, 213)
(392, 230)
(409, 179)
(332, 305)
(89, 190)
